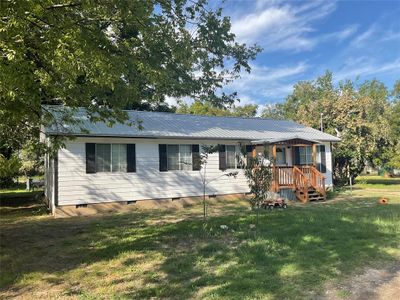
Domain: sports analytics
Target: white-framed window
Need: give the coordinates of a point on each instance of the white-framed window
(111, 158)
(305, 155)
(179, 157)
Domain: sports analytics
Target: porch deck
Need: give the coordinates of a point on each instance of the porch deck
(306, 181)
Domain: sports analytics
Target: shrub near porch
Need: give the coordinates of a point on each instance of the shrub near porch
(169, 254)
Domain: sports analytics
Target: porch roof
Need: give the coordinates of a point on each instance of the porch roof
(289, 139)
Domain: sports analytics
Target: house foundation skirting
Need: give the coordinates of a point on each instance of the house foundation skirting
(64, 211)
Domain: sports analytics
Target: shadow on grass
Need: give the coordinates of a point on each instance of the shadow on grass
(293, 252)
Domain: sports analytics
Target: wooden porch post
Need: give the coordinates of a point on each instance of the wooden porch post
(275, 175)
(314, 154)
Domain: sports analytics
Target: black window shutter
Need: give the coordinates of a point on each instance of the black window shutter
(196, 158)
(323, 158)
(90, 158)
(249, 153)
(131, 158)
(222, 157)
(162, 149)
(296, 155)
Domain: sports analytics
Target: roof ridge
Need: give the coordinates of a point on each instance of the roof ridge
(208, 116)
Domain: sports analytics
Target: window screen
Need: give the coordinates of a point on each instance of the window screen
(111, 158)
(118, 158)
(179, 157)
(103, 157)
(185, 161)
(173, 157)
(306, 155)
(280, 156)
(230, 157)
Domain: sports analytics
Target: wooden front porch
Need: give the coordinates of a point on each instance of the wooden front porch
(306, 181)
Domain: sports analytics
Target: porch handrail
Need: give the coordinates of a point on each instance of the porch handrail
(301, 183)
(318, 180)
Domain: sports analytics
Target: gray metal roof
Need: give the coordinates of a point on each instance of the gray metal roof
(171, 125)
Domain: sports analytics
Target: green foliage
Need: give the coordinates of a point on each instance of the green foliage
(110, 55)
(208, 109)
(248, 111)
(202, 160)
(31, 160)
(361, 115)
(259, 178)
(9, 169)
(273, 111)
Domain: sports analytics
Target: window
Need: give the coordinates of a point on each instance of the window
(230, 157)
(280, 156)
(321, 158)
(179, 157)
(103, 157)
(111, 158)
(305, 154)
(118, 158)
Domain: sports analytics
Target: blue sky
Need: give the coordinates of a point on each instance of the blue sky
(356, 40)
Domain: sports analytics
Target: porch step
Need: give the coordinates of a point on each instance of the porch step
(313, 195)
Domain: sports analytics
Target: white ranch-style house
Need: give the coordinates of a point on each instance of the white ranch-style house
(106, 168)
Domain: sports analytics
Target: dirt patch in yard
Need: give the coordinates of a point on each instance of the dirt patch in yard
(379, 284)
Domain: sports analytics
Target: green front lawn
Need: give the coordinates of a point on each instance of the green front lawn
(292, 254)
(378, 182)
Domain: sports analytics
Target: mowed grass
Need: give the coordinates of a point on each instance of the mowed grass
(292, 254)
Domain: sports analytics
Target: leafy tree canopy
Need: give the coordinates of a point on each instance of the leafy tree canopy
(111, 54)
(363, 116)
(208, 109)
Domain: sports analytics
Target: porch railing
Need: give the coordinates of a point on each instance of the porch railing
(301, 183)
(299, 178)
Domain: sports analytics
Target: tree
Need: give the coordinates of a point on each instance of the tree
(259, 178)
(31, 160)
(393, 153)
(248, 111)
(202, 160)
(273, 111)
(106, 56)
(358, 114)
(9, 169)
(208, 109)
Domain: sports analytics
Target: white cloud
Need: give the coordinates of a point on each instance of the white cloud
(261, 75)
(363, 38)
(277, 26)
(340, 35)
(266, 84)
(367, 68)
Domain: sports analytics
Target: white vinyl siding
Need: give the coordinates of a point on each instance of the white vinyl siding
(77, 187)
